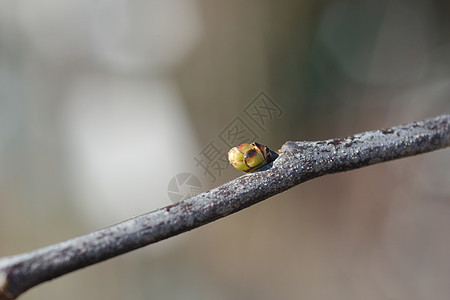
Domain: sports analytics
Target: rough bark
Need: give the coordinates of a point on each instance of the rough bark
(297, 162)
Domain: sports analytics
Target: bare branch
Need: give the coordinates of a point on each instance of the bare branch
(298, 162)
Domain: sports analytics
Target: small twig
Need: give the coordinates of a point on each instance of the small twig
(299, 162)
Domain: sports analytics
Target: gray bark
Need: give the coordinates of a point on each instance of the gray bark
(297, 162)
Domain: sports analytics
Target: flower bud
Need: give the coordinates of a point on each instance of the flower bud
(249, 157)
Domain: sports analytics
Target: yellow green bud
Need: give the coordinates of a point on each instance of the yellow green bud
(249, 157)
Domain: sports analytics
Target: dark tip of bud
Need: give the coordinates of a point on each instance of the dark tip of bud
(250, 153)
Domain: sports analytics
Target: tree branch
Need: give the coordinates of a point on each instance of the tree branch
(298, 162)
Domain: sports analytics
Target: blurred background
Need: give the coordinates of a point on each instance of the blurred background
(103, 102)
